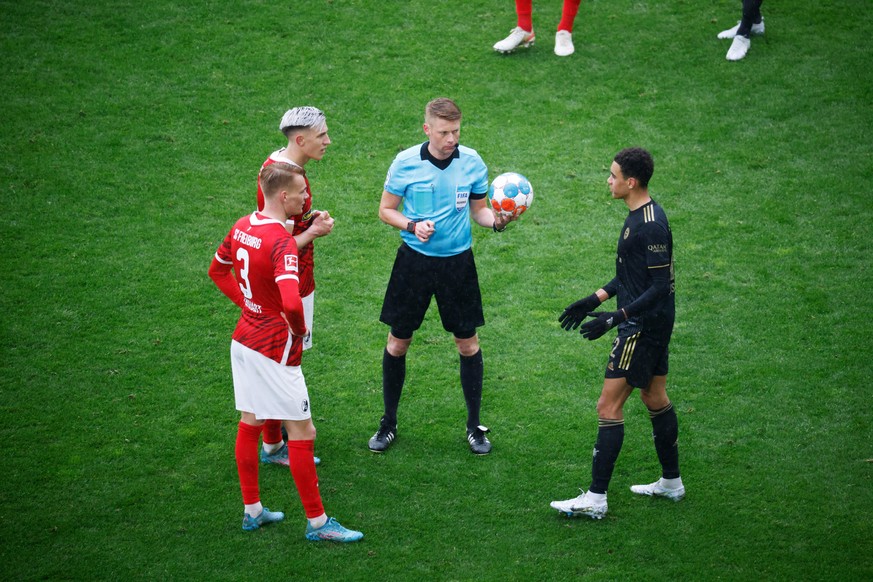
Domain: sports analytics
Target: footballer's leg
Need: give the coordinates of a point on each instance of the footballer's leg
(301, 443)
(319, 527)
(610, 432)
(393, 378)
(610, 437)
(273, 449)
(564, 37)
(472, 372)
(665, 433)
(246, 451)
(522, 35)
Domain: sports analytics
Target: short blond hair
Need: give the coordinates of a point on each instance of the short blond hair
(442, 108)
(277, 177)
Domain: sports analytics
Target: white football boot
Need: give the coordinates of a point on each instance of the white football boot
(517, 37)
(564, 43)
(590, 504)
(732, 32)
(672, 489)
(739, 48)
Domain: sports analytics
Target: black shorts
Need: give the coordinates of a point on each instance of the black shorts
(416, 278)
(637, 358)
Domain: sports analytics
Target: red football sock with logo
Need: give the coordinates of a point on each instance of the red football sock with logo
(302, 464)
(247, 461)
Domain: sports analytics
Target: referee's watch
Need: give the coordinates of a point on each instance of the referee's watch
(411, 226)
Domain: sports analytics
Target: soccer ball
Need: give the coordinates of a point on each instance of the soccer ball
(510, 194)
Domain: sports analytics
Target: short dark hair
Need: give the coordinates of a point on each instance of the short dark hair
(636, 163)
(278, 176)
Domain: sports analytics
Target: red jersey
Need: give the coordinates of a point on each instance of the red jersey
(301, 223)
(263, 256)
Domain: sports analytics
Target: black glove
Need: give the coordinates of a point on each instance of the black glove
(603, 322)
(576, 312)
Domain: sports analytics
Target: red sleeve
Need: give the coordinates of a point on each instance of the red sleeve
(221, 275)
(292, 306)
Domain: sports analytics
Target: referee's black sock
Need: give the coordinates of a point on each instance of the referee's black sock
(665, 432)
(472, 371)
(610, 437)
(393, 377)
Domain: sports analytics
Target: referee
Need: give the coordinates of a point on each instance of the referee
(644, 284)
(441, 185)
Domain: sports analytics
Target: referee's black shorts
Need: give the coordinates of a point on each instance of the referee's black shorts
(416, 278)
(637, 358)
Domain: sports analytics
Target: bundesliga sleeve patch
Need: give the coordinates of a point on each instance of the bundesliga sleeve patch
(291, 263)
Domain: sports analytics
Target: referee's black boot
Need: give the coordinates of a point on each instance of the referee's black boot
(479, 443)
(383, 438)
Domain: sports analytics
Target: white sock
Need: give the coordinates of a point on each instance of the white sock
(254, 509)
(272, 448)
(317, 522)
(596, 496)
(671, 483)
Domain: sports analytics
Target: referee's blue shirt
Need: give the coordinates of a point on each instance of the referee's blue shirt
(441, 195)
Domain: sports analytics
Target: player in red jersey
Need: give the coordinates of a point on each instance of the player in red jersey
(257, 267)
(306, 131)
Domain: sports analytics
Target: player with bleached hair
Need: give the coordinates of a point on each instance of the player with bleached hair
(257, 266)
(305, 128)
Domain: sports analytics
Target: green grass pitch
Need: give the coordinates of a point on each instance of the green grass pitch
(131, 137)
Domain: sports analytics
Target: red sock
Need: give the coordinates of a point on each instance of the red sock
(302, 462)
(524, 10)
(273, 432)
(568, 15)
(247, 461)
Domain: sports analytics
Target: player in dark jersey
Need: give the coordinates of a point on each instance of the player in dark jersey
(644, 287)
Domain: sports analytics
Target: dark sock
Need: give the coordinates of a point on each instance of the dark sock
(665, 432)
(751, 15)
(393, 376)
(472, 371)
(610, 436)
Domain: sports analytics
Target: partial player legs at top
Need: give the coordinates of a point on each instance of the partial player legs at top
(752, 23)
(523, 33)
(524, 12)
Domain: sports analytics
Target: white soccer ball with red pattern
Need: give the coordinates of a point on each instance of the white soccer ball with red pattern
(510, 194)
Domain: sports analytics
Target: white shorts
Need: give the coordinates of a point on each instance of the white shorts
(266, 388)
(308, 306)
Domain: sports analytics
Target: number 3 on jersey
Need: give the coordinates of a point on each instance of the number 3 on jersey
(242, 256)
